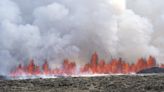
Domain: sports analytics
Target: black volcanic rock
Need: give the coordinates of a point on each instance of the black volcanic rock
(151, 70)
(3, 77)
(117, 83)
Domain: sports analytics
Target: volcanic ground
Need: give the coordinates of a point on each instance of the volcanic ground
(110, 83)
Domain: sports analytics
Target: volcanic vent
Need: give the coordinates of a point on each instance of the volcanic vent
(95, 66)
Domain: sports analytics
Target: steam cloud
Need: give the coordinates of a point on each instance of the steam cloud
(58, 29)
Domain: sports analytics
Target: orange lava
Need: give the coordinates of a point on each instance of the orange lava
(95, 66)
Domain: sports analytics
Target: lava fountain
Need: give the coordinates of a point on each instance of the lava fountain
(95, 66)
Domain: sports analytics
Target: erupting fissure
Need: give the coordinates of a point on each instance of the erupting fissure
(95, 66)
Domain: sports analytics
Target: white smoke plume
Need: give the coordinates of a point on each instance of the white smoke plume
(74, 29)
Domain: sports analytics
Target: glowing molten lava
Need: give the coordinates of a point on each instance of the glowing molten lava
(117, 65)
(95, 66)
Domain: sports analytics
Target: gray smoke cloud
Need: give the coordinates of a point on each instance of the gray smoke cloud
(74, 29)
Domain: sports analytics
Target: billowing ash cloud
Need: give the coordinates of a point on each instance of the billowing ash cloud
(58, 29)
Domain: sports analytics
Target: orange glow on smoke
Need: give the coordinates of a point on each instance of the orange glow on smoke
(95, 66)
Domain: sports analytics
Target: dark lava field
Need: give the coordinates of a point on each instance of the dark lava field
(112, 83)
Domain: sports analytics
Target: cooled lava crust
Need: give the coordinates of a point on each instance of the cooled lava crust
(151, 70)
(110, 83)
